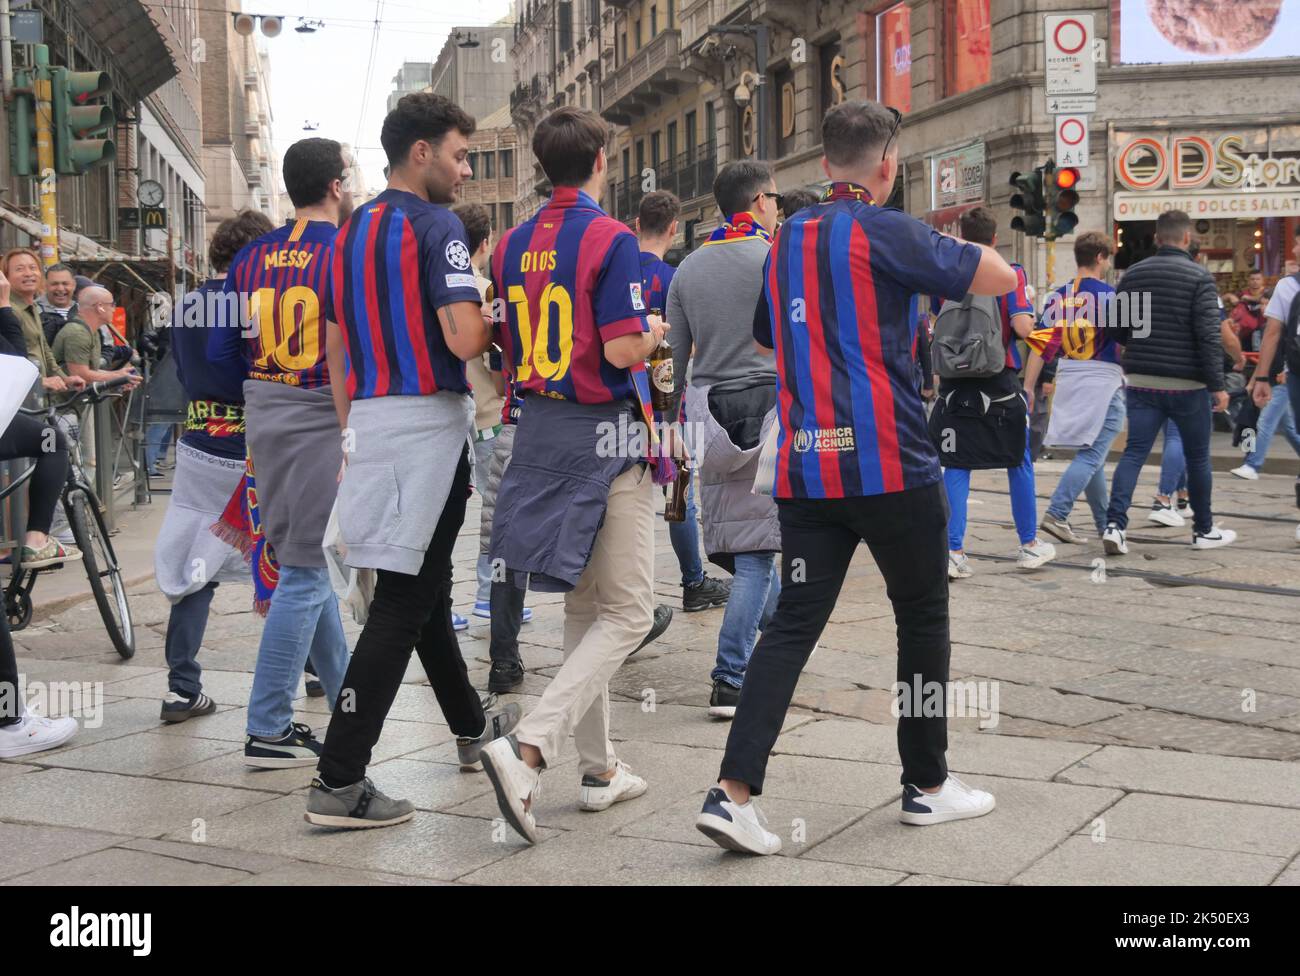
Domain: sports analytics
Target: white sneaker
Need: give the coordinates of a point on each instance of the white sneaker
(1213, 539)
(954, 801)
(735, 827)
(517, 785)
(958, 566)
(598, 794)
(1113, 541)
(1163, 514)
(1297, 533)
(1245, 471)
(35, 733)
(1035, 554)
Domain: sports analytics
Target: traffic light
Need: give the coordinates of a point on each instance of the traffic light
(82, 128)
(1030, 201)
(1064, 219)
(22, 127)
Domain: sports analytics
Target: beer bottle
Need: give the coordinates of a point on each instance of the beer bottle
(675, 509)
(660, 369)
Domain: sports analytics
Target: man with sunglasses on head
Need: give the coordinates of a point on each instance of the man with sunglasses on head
(731, 402)
(854, 463)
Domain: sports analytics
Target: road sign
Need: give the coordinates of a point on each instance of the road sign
(1071, 104)
(1070, 69)
(28, 27)
(128, 218)
(1072, 140)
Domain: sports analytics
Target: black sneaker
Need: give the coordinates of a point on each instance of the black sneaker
(177, 708)
(297, 747)
(723, 701)
(705, 595)
(505, 676)
(663, 617)
(314, 688)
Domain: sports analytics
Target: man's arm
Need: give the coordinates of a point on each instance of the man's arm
(993, 276)
(1261, 385)
(683, 341)
(336, 359)
(88, 375)
(1032, 370)
(626, 351)
(463, 329)
(1022, 325)
(1231, 344)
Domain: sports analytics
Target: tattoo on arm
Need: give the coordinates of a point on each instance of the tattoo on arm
(448, 319)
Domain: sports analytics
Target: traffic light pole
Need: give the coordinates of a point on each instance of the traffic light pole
(48, 180)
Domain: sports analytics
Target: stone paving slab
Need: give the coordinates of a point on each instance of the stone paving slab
(1208, 701)
(1259, 781)
(141, 754)
(1168, 730)
(27, 847)
(127, 804)
(301, 874)
(1048, 705)
(118, 867)
(431, 845)
(1025, 668)
(1283, 681)
(930, 881)
(14, 767)
(677, 724)
(1290, 877)
(580, 859)
(1031, 819)
(968, 752)
(1080, 861)
(223, 687)
(1209, 824)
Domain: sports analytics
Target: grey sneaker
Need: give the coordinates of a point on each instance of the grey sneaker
(1059, 528)
(500, 721)
(354, 807)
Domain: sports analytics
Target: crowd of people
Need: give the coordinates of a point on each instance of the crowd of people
(836, 371)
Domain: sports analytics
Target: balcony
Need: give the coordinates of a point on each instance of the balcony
(527, 97)
(620, 4)
(251, 127)
(645, 80)
(250, 77)
(688, 174)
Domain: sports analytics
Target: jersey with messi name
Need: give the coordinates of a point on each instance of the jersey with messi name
(285, 276)
(567, 281)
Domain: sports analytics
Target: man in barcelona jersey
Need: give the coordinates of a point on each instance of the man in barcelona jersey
(575, 513)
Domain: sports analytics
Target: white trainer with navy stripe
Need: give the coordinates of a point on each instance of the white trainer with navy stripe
(954, 801)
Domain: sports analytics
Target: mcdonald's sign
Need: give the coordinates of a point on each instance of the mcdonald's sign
(153, 218)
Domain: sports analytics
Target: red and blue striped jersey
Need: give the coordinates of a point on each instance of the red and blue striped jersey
(1074, 324)
(285, 276)
(399, 259)
(839, 285)
(656, 276)
(567, 281)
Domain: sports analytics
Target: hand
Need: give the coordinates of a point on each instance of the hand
(1220, 400)
(1029, 397)
(54, 384)
(1239, 365)
(658, 327)
(1261, 393)
(75, 383)
(4, 290)
(342, 469)
(1048, 388)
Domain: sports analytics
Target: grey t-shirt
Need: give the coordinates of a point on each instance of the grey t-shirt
(711, 304)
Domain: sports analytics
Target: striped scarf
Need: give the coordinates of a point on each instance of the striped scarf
(844, 190)
(240, 526)
(737, 228)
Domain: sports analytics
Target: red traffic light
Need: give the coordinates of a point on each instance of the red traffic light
(1067, 178)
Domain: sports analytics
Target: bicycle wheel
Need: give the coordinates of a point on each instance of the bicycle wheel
(102, 570)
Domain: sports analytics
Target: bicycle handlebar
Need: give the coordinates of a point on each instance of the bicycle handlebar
(94, 392)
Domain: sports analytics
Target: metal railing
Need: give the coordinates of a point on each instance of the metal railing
(662, 52)
(688, 175)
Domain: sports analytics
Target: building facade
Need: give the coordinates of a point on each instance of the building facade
(473, 69)
(412, 76)
(492, 152)
(1203, 119)
(239, 161)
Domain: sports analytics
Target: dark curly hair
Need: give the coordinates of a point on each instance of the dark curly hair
(421, 115)
(233, 233)
(477, 221)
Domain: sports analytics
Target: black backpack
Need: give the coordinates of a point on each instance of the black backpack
(1290, 341)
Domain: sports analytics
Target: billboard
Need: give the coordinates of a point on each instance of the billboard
(1167, 31)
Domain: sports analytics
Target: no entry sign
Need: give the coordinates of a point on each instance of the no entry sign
(1069, 64)
(1072, 140)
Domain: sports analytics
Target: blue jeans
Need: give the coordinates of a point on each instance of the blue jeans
(685, 537)
(1087, 472)
(754, 592)
(1276, 413)
(303, 619)
(1173, 464)
(185, 626)
(156, 438)
(1024, 503)
(1148, 413)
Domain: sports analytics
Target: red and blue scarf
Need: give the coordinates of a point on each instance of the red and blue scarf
(844, 190)
(240, 527)
(738, 227)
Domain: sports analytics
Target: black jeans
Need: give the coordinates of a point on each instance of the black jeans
(906, 532)
(507, 618)
(407, 611)
(27, 437)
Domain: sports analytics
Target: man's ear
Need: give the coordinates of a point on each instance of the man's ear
(672, 229)
(636, 226)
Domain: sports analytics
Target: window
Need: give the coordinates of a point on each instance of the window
(654, 150)
(672, 143)
(637, 25)
(968, 49)
(565, 17)
(654, 20)
(508, 163)
(640, 157)
(670, 15)
(627, 166)
(489, 165)
(507, 215)
(622, 43)
(472, 159)
(710, 128)
(894, 57)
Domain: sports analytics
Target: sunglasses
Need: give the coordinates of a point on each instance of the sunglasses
(778, 197)
(898, 121)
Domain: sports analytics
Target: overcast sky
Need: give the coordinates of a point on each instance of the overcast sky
(321, 77)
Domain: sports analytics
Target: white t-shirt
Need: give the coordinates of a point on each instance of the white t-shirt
(1284, 294)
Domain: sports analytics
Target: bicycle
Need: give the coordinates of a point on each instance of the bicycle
(84, 512)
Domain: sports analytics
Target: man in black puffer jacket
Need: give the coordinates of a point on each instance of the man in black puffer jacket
(1173, 358)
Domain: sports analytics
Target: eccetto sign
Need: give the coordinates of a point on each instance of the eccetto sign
(1207, 175)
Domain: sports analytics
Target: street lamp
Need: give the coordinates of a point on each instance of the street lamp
(466, 40)
(760, 34)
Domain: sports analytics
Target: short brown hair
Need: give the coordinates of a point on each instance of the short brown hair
(1172, 225)
(567, 143)
(853, 131)
(658, 210)
(233, 233)
(979, 226)
(477, 221)
(1090, 247)
(421, 115)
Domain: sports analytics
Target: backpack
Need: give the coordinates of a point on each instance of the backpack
(968, 339)
(1291, 341)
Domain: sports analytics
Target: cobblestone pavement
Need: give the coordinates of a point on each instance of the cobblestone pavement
(1145, 731)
